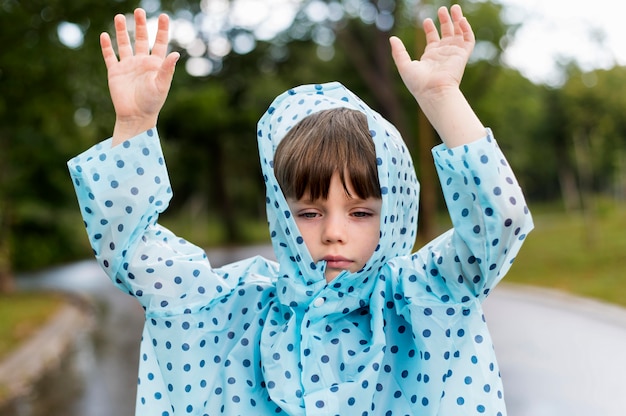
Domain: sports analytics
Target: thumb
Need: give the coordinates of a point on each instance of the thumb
(166, 72)
(399, 53)
(402, 60)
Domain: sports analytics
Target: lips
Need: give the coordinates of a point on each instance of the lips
(337, 262)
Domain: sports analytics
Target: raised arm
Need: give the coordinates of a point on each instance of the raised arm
(139, 81)
(435, 78)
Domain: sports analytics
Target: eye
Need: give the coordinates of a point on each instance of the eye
(308, 215)
(362, 214)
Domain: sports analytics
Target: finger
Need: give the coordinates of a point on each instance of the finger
(466, 29)
(107, 50)
(430, 30)
(446, 23)
(142, 46)
(121, 35)
(162, 37)
(456, 12)
(399, 53)
(457, 16)
(166, 72)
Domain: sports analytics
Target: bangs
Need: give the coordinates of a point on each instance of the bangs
(322, 144)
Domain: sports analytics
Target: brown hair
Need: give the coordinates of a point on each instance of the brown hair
(325, 142)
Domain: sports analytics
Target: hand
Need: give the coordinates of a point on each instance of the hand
(442, 65)
(435, 79)
(139, 82)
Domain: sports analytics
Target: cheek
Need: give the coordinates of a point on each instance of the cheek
(373, 238)
(307, 232)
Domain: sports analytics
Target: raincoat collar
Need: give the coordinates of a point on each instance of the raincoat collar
(301, 280)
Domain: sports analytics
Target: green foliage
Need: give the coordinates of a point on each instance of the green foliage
(517, 110)
(45, 85)
(54, 104)
(594, 105)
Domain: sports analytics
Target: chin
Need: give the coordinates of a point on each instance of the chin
(330, 276)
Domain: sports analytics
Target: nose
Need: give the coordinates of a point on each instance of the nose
(334, 230)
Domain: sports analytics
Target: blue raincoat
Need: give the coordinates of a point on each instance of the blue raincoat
(403, 336)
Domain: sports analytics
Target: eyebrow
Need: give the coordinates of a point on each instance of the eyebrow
(353, 200)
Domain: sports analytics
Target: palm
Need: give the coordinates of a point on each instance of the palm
(133, 87)
(139, 80)
(441, 65)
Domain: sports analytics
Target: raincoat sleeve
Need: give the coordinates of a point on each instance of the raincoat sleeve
(121, 192)
(490, 222)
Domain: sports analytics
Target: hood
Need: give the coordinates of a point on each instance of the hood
(301, 280)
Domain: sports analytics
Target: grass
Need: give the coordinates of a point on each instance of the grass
(576, 253)
(23, 313)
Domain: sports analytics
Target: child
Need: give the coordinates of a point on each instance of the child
(347, 321)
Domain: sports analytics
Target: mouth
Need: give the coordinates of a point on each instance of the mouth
(337, 262)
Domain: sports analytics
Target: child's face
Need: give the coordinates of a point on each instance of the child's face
(342, 230)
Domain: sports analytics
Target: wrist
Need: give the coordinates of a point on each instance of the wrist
(439, 100)
(126, 128)
(452, 117)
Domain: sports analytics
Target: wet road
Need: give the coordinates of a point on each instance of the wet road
(100, 376)
(559, 355)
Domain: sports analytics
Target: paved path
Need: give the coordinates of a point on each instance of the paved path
(43, 351)
(559, 355)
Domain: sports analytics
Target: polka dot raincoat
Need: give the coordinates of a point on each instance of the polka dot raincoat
(403, 336)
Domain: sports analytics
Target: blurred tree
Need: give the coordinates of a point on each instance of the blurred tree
(216, 153)
(518, 112)
(565, 143)
(593, 105)
(47, 67)
(321, 41)
(236, 56)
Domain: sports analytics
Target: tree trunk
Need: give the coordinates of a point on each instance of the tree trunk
(427, 174)
(375, 71)
(428, 180)
(221, 194)
(569, 187)
(584, 166)
(7, 281)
